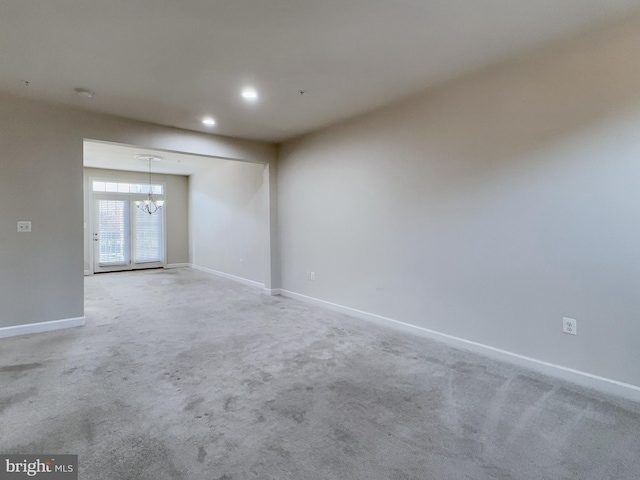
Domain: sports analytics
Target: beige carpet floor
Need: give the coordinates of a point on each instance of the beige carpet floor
(182, 375)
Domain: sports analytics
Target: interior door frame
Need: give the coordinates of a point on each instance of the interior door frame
(131, 199)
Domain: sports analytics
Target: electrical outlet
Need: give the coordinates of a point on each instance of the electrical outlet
(570, 326)
(24, 226)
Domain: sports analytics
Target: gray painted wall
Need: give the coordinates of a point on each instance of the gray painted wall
(176, 211)
(488, 208)
(229, 224)
(41, 148)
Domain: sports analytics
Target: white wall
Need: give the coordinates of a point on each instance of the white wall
(486, 209)
(41, 149)
(176, 211)
(229, 222)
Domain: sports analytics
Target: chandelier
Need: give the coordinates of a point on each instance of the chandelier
(149, 205)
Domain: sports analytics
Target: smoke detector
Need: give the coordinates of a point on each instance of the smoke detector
(84, 92)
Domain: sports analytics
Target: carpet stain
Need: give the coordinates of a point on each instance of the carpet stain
(88, 430)
(252, 383)
(201, 454)
(20, 368)
(279, 450)
(470, 368)
(294, 412)
(231, 404)
(193, 403)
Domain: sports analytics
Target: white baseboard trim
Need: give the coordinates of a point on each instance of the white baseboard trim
(584, 379)
(40, 327)
(88, 272)
(271, 291)
(235, 278)
(177, 265)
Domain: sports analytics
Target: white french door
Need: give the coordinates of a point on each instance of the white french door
(125, 237)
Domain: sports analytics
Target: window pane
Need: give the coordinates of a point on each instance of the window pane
(148, 237)
(112, 227)
(126, 187)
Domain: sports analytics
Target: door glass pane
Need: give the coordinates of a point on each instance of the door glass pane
(112, 231)
(148, 237)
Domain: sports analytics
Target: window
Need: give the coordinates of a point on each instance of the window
(148, 241)
(126, 187)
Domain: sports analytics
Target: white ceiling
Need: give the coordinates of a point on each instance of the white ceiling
(173, 62)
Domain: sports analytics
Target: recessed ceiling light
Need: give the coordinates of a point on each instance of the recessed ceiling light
(208, 121)
(84, 92)
(249, 94)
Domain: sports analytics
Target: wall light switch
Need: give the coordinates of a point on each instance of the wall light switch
(24, 226)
